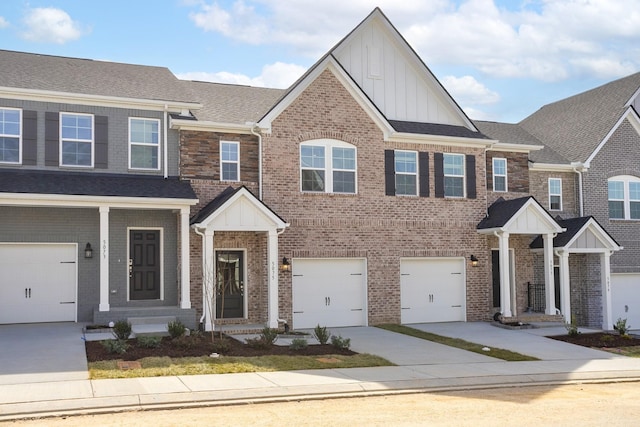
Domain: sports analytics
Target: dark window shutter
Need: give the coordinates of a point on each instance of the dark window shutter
(29, 137)
(51, 139)
(101, 143)
(423, 165)
(471, 176)
(389, 173)
(438, 174)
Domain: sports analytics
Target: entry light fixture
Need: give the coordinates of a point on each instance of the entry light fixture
(88, 251)
(286, 264)
(474, 261)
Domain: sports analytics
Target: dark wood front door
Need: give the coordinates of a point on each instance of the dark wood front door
(230, 284)
(144, 264)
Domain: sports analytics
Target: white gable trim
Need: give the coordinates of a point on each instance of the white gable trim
(329, 63)
(597, 231)
(78, 201)
(254, 215)
(630, 115)
(515, 148)
(531, 218)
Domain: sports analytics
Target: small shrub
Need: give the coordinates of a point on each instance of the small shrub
(572, 328)
(269, 335)
(183, 342)
(176, 329)
(298, 344)
(122, 330)
(622, 327)
(115, 346)
(149, 341)
(341, 343)
(321, 334)
(221, 346)
(257, 342)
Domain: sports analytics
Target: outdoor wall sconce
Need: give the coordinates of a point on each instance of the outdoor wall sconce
(474, 261)
(88, 251)
(286, 265)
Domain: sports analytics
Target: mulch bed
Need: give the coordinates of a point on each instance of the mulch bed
(599, 340)
(196, 346)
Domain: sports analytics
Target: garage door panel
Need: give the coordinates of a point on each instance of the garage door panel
(625, 298)
(329, 292)
(432, 290)
(38, 283)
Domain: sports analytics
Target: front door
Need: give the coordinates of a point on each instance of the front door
(230, 284)
(144, 264)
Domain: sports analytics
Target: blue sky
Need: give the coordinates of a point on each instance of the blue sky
(500, 59)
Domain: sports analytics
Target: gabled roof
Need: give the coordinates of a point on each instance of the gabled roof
(523, 215)
(93, 184)
(574, 127)
(48, 73)
(577, 227)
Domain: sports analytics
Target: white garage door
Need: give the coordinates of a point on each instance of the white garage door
(37, 282)
(625, 298)
(329, 292)
(432, 290)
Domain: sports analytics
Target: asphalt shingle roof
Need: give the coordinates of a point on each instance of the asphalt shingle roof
(574, 126)
(87, 76)
(573, 226)
(501, 211)
(93, 184)
(435, 129)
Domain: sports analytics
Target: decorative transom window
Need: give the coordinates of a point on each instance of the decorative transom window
(624, 197)
(453, 166)
(555, 194)
(144, 143)
(499, 174)
(328, 166)
(229, 161)
(406, 167)
(10, 135)
(76, 131)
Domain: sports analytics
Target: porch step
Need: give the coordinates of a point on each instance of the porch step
(149, 329)
(151, 320)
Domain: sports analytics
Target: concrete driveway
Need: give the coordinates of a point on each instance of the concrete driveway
(42, 352)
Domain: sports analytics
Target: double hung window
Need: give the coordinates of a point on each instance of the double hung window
(328, 166)
(555, 194)
(144, 143)
(624, 197)
(453, 166)
(76, 139)
(499, 174)
(10, 135)
(229, 161)
(406, 168)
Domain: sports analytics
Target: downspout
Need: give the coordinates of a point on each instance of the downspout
(204, 298)
(486, 193)
(259, 159)
(579, 172)
(166, 149)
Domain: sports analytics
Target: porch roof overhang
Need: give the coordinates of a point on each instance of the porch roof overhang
(583, 235)
(237, 210)
(518, 216)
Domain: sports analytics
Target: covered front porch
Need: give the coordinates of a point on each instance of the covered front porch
(239, 261)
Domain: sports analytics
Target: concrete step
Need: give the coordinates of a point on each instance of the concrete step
(151, 320)
(150, 329)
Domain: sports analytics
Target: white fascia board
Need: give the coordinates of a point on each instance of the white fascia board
(633, 118)
(490, 230)
(550, 167)
(357, 94)
(516, 148)
(209, 126)
(96, 100)
(75, 201)
(599, 233)
(553, 225)
(418, 138)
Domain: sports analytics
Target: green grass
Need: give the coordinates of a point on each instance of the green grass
(498, 353)
(166, 366)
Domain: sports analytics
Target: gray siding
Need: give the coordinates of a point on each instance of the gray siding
(118, 129)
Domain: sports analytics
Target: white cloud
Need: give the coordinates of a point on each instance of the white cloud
(277, 75)
(49, 24)
(3, 22)
(468, 90)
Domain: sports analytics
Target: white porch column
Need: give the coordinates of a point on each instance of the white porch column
(272, 256)
(103, 252)
(208, 279)
(605, 271)
(505, 281)
(565, 286)
(549, 285)
(185, 274)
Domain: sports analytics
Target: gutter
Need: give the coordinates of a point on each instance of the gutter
(578, 168)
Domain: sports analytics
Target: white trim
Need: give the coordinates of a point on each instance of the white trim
(146, 144)
(20, 136)
(95, 100)
(463, 176)
(328, 145)
(62, 139)
(515, 148)
(126, 266)
(237, 162)
(245, 292)
(209, 126)
(415, 174)
(76, 201)
(626, 197)
(633, 118)
(505, 175)
(550, 167)
(448, 141)
(554, 194)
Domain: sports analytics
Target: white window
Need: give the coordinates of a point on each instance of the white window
(229, 161)
(406, 167)
(555, 194)
(10, 135)
(624, 197)
(499, 174)
(328, 166)
(76, 139)
(453, 165)
(144, 143)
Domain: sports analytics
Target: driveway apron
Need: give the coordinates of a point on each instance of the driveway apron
(42, 352)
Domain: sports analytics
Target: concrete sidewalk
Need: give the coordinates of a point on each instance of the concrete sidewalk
(422, 369)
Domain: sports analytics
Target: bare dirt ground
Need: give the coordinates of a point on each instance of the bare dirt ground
(616, 404)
